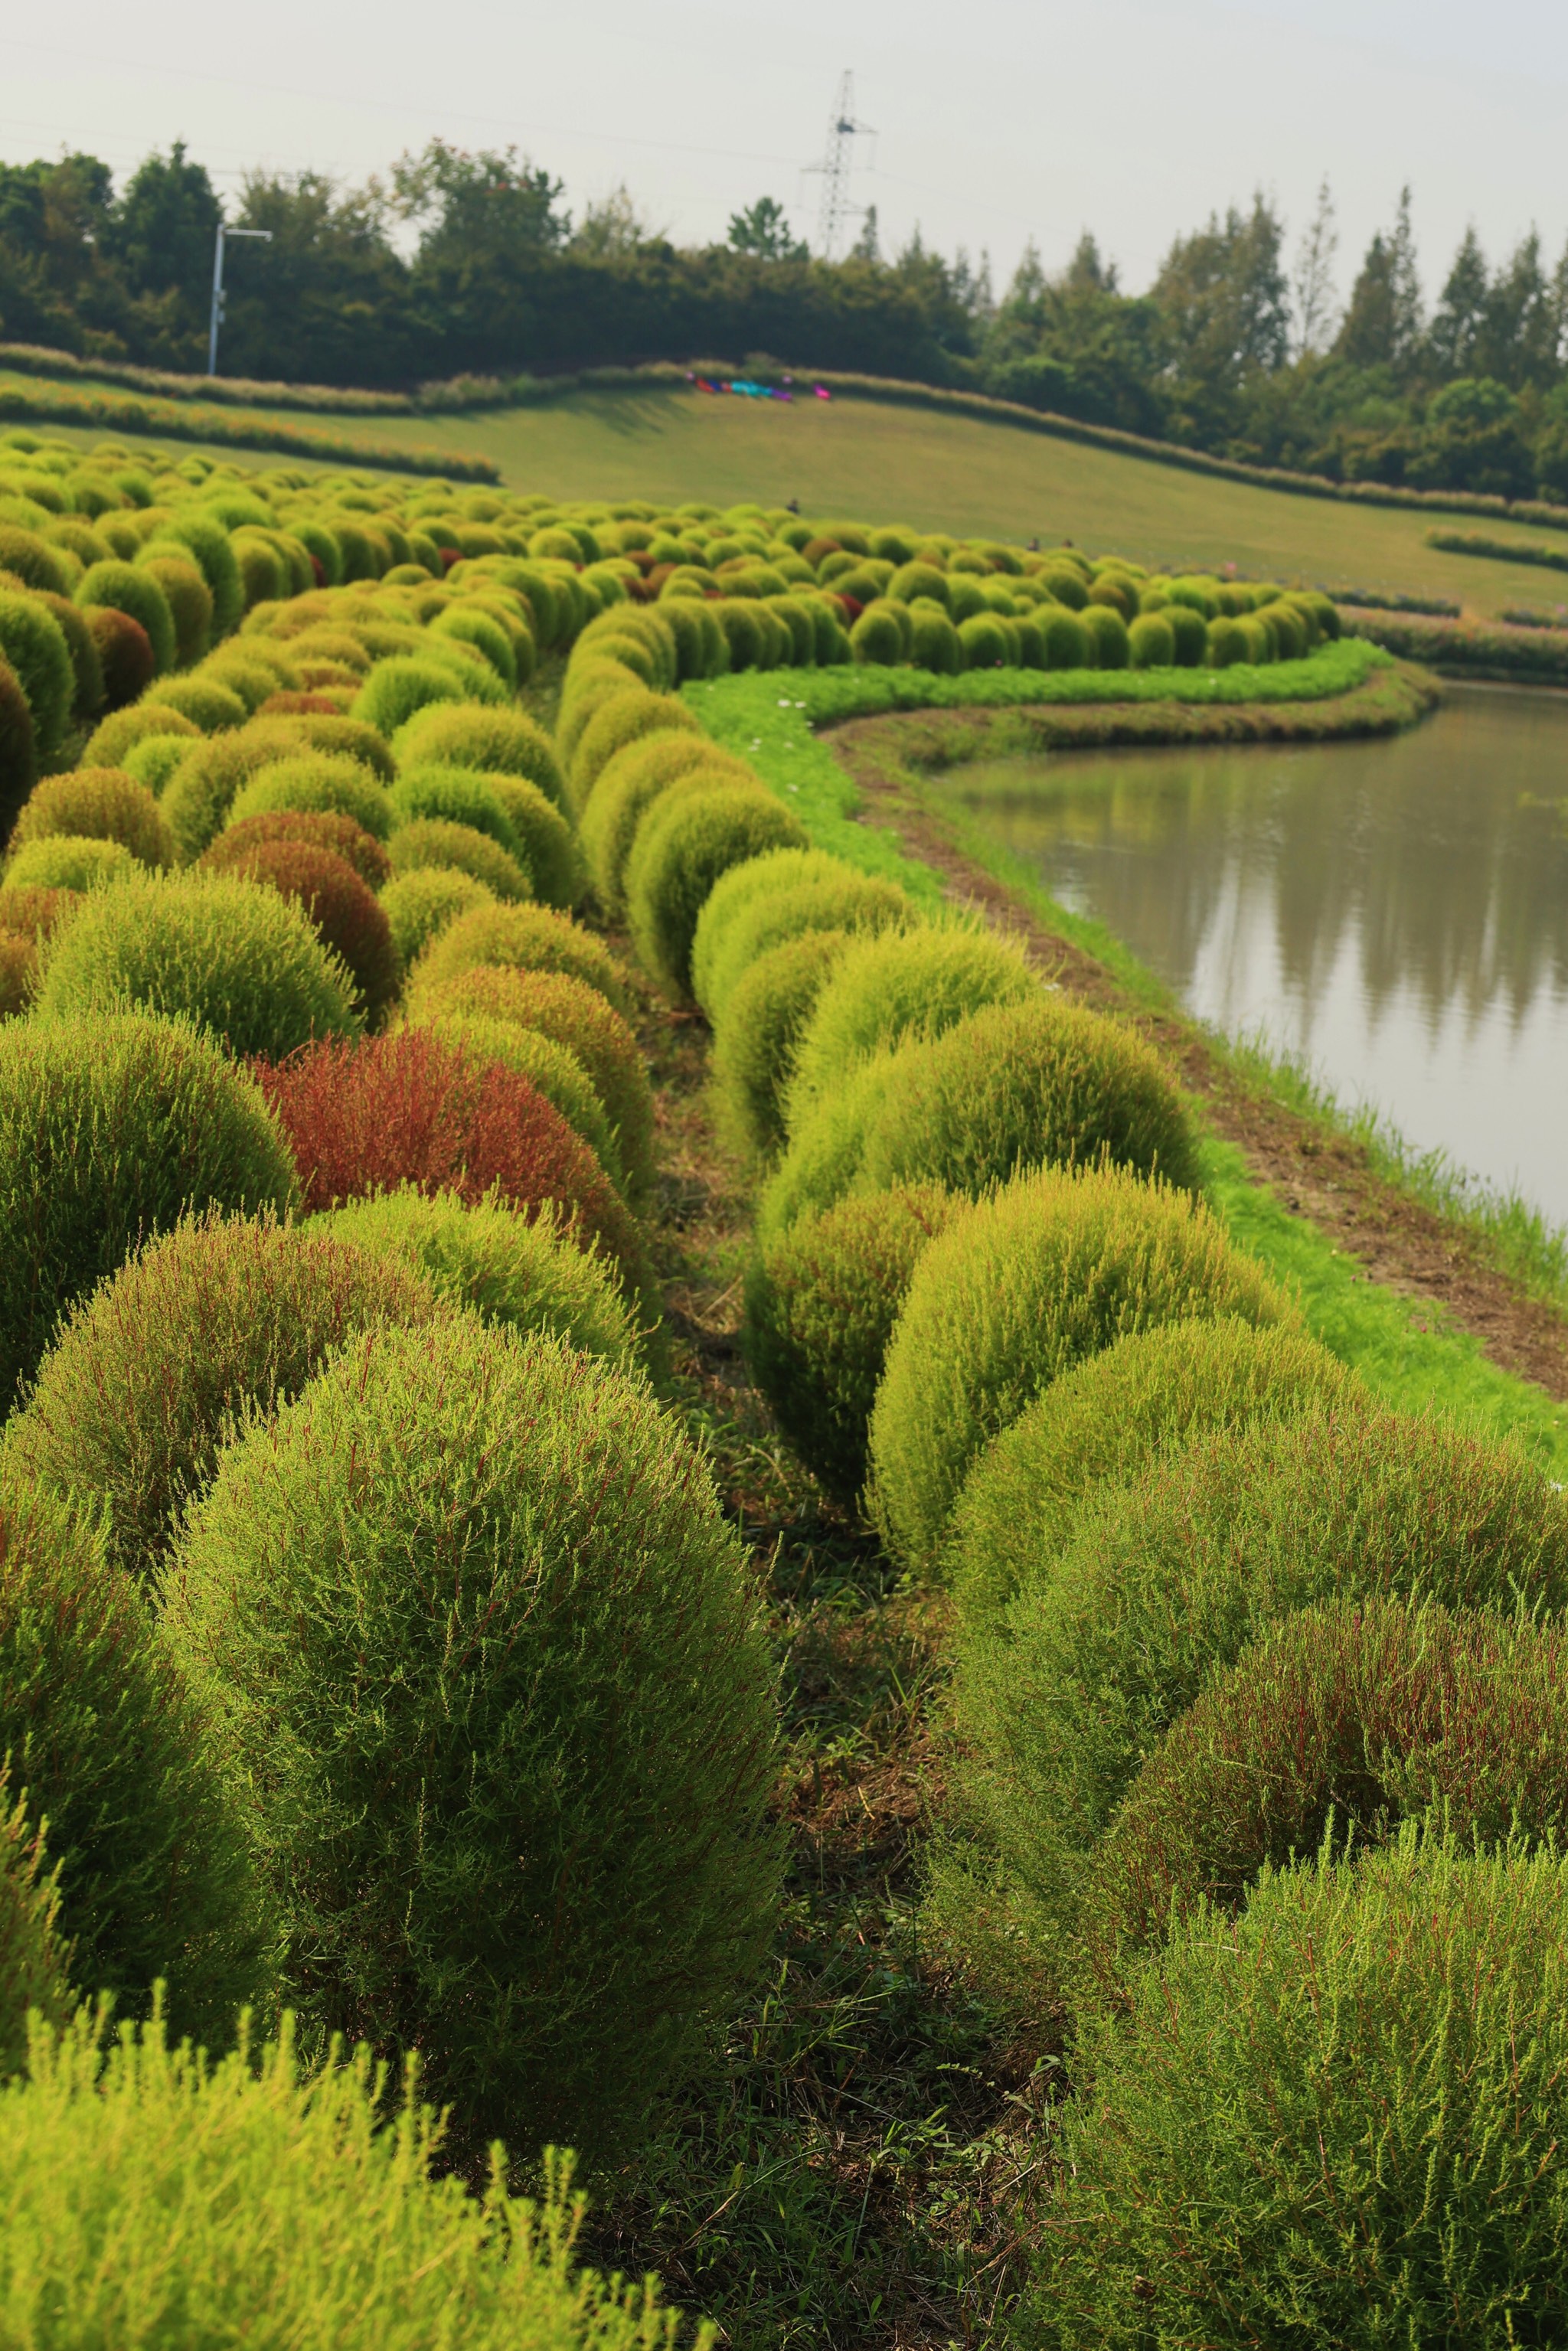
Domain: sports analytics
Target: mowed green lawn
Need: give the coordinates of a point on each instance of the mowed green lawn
(949, 472)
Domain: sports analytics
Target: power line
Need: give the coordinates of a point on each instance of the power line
(836, 167)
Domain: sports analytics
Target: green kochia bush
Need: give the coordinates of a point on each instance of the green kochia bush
(156, 2197)
(822, 1304)
(315, 783)
(526, 938)
(34, 644)
(886, 988)
(550, 848)
(434, 842)
(756, 1042)
(420, 904)
(628, 786)
(1162, 1583)
(126, 588)
(498, 742)
(1018, 1289)
(458, 795)
(1339, 2118)
(33, 1958)
(99, 803)
(761, 904)
(224, 1314)
(111, 1752)
(242, 962)
(683, 846)
(1102, 1423)
(551, 1069)
(1017, 1086)
(526, 1276)
(110, 1128)
(544, 1845)
(1336, 1724)
(67, 861)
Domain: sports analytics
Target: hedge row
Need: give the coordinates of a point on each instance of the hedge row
(182, 420)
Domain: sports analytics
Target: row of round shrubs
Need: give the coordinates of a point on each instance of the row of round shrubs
(333, 1309)
(1262, 1687)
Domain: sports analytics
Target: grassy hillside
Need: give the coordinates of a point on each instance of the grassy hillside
(944, 472)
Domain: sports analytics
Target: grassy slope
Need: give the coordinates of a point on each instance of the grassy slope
(952, 474)
(1415, 1357)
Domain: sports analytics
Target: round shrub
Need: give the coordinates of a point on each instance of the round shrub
(1020, 1288)
(1340, 1721)
(1107, 633)
(66, 861)
(508, 1270)
(153, 2194)
(434, 842)
(757, 1039)
(624, 719)
(87, 669)
(19, 749)
(34, 645)
(1151, 642)
(898, 985)
(110, 741)
(627, 788)
(457, 796)
(242, 962)
(103, 1737)
(1339, 2118)
(546, 1845)
(1189, 635)
(1160, 1585)
(1034, 1084)
(209, 706)
(418, 905)
(98, 804)
(317, 783)
(199, 794)
(411, 1109)
(467, 624)
(550, 848)
(1102, 1423)
(125, 658)
(821, 1304)
(341, 911)
(394, 689)
(33, 1958)
(126, 588)
(209, 543)
(497, 742)
(876, 638)
(153, 759)
(189, 599)
(683, 846)
(239, 671)
(985, 642)
(1227, 643)
(32, 560)
(574, 1014)
(757, 905)
(551, 1069)
(339, 834)
(1065, 641)
(528, 938)
(134, 1397)
(935, 643)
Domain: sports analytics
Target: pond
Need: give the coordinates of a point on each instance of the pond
(1394, 915)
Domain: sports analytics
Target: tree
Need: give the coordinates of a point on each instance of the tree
(1518, 343)
(328, 300)
(1383, 323)
(1458, 323)
(1314, 280)
(163, 229)
(482, 210)
(865, 247)
(763, 228)
(1226, 306)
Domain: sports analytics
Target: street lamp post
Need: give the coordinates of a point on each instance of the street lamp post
(265, 235)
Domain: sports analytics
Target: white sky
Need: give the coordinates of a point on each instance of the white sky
(996, 122)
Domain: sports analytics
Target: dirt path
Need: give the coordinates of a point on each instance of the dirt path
(1326, 1178)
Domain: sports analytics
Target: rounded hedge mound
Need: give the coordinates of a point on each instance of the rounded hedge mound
(339, 834)
(34, 1959)
(1339, 2118)
(435, 842)
(497, 742)
(134, 1397)
(111, 1130)
(756, 1042)
(315, 783)
(457, 796)
(682, 845)
(525, 938)
(525, 1274)
(621, 720)
(1101, 1424)
(822, 1304)
(100, 804)
(550, 847)
(240, 962)
(757, 906)
(1336, 1724)
(547, 1843)
(892, 986)
(152, 2195)
(1161, 1585)
(125, 657)
(411, 1108)
(1020, 1288)
(1151, 642)
(103, 1737)
(396, 688)
(34, 644)
(18, 748)
(627, 787)
(343, 912)
(419, 905)
(575, 1015)
(127, 587)
(197, 797)
(66, 861)
(551, 1067)
(1107, 633)
(209, 706)
(119, 733)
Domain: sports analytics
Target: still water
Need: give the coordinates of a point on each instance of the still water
(1394, 915)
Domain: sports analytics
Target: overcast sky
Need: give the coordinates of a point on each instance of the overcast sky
(995, 122)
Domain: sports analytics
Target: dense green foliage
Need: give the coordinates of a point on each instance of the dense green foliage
(543, 1846)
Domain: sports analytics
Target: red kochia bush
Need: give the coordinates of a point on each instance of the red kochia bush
(411, 1109)
(230, 853)
(346, 917)
(125, 654)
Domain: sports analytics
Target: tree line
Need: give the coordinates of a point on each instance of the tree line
(470, 263)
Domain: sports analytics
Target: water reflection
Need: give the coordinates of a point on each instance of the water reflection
(1395, 914)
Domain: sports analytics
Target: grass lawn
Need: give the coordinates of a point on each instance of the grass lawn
(943, 473)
